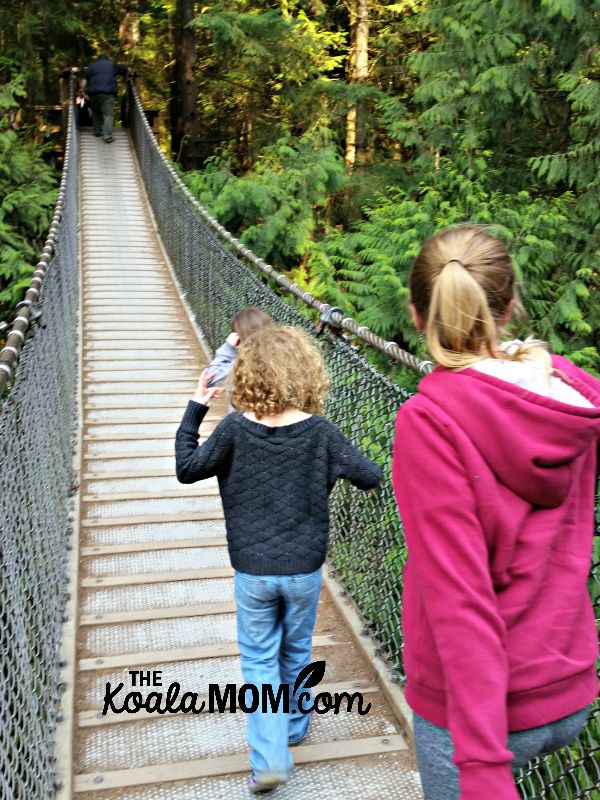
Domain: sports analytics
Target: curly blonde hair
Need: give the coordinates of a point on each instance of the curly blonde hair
(279, 368)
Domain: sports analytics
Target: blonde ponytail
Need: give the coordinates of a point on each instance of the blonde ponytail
(462, 283)
(459, 322)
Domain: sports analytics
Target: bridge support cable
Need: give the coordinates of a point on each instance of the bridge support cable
(367, 549)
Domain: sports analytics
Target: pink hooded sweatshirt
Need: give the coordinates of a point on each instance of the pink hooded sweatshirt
(495, 487)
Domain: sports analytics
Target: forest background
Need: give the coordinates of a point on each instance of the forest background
(334, 136)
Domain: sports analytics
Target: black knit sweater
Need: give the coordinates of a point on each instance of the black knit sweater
(274, 485)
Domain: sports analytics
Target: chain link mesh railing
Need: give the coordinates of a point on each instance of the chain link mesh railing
(367, 548)
(36, 452)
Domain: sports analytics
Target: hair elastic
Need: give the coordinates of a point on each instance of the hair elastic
(450, 260)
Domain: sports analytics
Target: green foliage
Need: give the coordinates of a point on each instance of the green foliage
(372, 262)
(261, 74)
(276, 207)
(496, 71)
(27, 196)
(579, 164)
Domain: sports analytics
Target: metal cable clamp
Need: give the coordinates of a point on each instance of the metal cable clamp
(34, 312)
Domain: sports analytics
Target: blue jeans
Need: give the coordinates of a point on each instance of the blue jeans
(276, 617)
(435, 750)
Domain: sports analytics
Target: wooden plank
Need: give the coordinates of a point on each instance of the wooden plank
(187, 373)
(227, 765)
(127, 317)
(129, 437)
(116, 289)
(111, 293)
(127, 312)
(136, 294)
(111, 522)
(94, 324)
(108, 294)
(124, 390)
(122, 268)
(156, 366)
(106, 267)
(118, 241)
(148, 331)
(93, 304)
(149, 614)
(99, 476)
(124, 279)
(164, 544)
(142, 316)
(136, 420)
(197, 653)
(144, 406)
(119, 279)
(185, 491)
(90, 362)
(139, 578)
(150, 349)
(155, 385)
(141, 346)
(94, 718)
(109, 456)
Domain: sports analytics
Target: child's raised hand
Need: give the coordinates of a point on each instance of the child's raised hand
(204, 393)
(233, 340)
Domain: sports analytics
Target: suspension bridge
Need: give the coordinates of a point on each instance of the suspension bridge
(112, 570)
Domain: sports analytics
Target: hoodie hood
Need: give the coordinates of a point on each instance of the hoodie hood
(528, 440)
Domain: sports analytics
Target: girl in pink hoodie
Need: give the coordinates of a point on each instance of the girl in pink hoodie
(494, 473)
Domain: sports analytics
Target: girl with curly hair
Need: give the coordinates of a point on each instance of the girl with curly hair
(276, 460)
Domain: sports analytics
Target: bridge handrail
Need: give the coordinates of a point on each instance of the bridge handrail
(362, 332)
(25, 313)
(37, 484)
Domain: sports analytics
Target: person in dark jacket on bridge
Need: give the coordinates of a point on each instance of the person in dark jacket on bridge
(277, 460)
(99, 83)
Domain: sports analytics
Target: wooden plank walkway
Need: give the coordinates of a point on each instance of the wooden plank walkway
(155, 585)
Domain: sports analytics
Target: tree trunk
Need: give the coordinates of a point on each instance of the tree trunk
(358, 72)
(184, 94)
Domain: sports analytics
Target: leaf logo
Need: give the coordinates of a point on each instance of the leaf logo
(310, 675)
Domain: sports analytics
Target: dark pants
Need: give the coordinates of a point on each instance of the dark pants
(435, 750)
(102, 106)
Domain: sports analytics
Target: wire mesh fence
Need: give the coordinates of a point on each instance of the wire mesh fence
(36, 452)
(367, 548)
